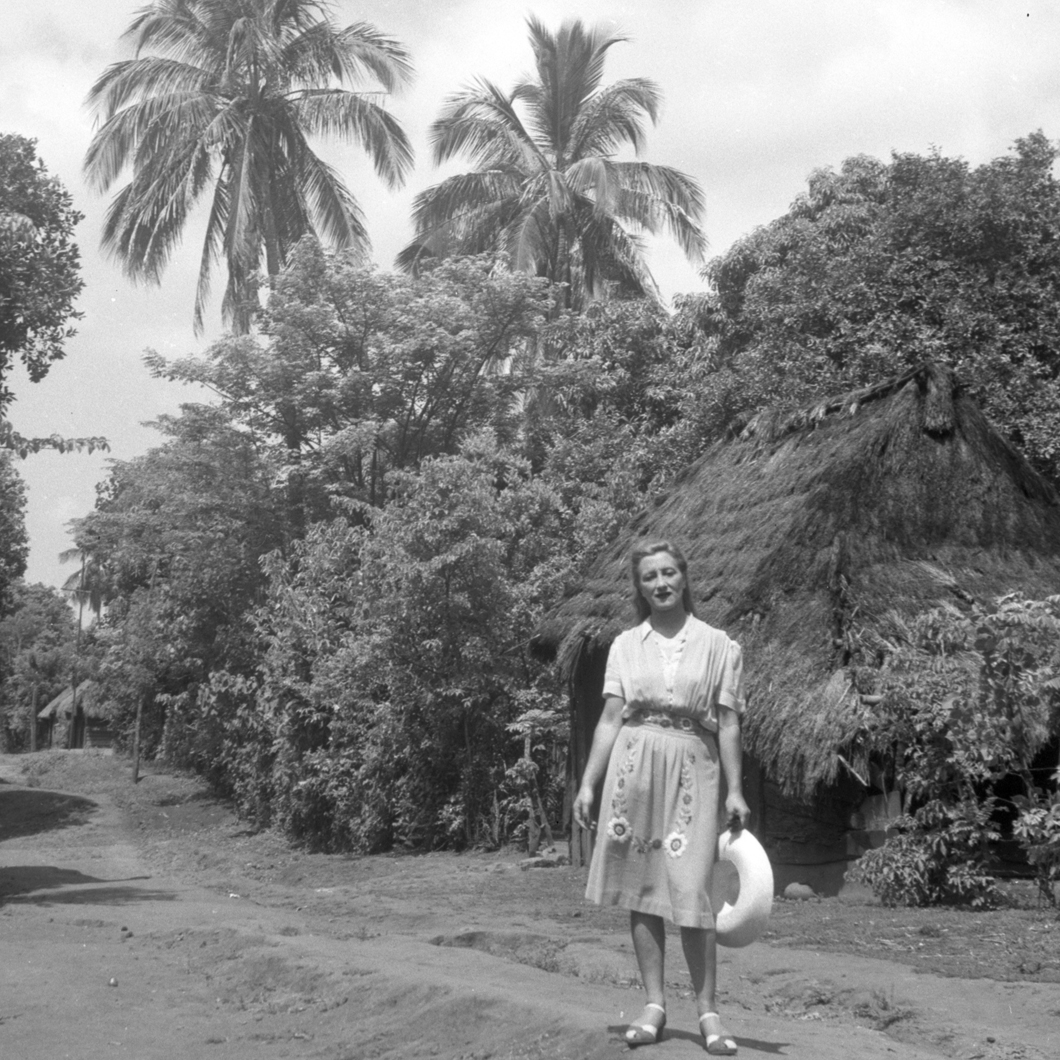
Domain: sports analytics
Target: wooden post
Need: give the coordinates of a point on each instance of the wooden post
(136, 740)
(33, 719)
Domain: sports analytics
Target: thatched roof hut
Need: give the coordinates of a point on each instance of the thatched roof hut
(87, 700)
(88, 726)
(816, 524)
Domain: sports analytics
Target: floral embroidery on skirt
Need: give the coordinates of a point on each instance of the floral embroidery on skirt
(660, 796)
(619, 829)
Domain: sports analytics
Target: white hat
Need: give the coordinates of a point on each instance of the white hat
(740, 924)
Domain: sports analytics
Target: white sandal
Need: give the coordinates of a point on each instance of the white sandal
(646, 1033)
(717, 1044)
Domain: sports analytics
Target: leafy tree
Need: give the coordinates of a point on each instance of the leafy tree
(39, 263)
(36, 641)
(14, 544)
(356, 374)
(225, 94)
(175, 542)
(40, 281)
(611, 376)
(884, 265)
(546, 189)
(397, 656)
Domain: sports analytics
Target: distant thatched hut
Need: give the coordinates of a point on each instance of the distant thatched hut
(86, 722)
(811, 525)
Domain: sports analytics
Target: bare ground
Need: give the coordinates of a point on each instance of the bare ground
(149, 922)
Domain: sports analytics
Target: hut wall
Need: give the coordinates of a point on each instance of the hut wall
(98, 733)
(813, 842)
(587, 704)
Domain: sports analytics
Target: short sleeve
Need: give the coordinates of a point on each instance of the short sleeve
(731, 693)
(613, 683)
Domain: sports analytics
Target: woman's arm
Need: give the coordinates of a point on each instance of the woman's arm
(604, 737)
(730, 750)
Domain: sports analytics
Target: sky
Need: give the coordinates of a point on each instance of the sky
(757, 95)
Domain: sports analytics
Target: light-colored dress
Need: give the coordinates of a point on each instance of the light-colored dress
(657, 834)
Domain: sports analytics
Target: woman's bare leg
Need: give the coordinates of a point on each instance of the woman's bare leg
(649, 945)
(701, 953)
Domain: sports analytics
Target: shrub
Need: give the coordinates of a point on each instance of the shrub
(968, 698)
(936, 858)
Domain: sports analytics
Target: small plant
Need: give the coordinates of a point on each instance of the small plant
(1038, 830)
(936, 858)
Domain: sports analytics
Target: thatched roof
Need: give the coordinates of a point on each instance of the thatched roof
(87, 698)
(820, 521)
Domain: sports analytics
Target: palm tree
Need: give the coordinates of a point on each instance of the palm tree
(223, 94)
(545, 188)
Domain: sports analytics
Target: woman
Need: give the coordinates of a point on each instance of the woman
(673, 695)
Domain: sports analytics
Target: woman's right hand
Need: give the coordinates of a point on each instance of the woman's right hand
(583, 807)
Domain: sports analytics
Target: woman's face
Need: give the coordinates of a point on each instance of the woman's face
(661, 582)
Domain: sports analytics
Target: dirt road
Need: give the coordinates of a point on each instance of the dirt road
(172, 932)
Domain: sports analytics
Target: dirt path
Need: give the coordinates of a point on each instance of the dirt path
(172, 933)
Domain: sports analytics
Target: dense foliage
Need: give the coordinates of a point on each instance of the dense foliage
(36, 644)
(40, 280)
(354, 374)
(881, 266)
(397, 658)
(970, 699)
(174, 549)
(320, 590)
(14, 544)
(39, 263)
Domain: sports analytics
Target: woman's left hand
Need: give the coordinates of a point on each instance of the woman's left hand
(738, 813)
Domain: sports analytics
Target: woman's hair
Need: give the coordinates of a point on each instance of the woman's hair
(640, 605)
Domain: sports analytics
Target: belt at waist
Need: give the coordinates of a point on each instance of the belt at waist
(665, 720)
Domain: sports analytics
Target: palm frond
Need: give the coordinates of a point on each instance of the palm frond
(527, 241)
(211, 251)
(144, 221)
(478, 230)
(150, 77)
(462, 194)
(357, 53)
(355, 117)
(614, 116)
(591, 177)
(179, 27)
(141, 129)
(610, 254)
(570, 67)
(659, 197)
(334, 212)
(482, 123)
